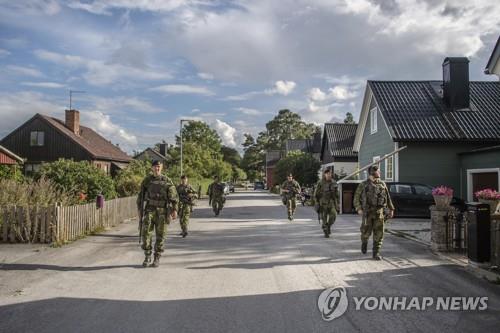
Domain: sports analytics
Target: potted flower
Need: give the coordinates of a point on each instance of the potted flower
(490, 197)
(442, 196)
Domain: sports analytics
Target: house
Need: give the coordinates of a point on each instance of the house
(9, 158)
(272, 158)
(438, 122)
(493, 65)
(337, 151)
(152, 154)
(310, 146)
(47, 139)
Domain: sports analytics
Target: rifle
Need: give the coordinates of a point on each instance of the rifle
(141, 214)
(319, 214)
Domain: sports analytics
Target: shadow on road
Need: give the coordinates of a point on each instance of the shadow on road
(34, 267)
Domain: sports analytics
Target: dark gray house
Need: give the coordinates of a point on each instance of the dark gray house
(438, 121)
(337, 148)
(311, 146)
(153, 154)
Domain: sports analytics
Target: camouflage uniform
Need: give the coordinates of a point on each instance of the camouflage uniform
(327, 198)
(216, 197)
(161, 200)
(187, 195)
(290, 197)
(372, 196)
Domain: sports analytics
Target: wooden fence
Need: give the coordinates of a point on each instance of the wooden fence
(57, 224)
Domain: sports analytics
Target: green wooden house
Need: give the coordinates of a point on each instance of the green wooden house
(442, 124)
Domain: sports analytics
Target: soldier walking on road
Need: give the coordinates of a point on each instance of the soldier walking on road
(289, 190)
(326, 198)
(216, 196)
(187, 196)
(372, 201)
(157, 204)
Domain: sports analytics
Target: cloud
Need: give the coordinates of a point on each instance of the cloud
(30, 7)
(102, 124)
(206, 76)
(335, 93)
(26, 71)
(226, 132)
(100, 73)
(49, 85)
(183, 89)
(280, 87)
(249, 111)
(123, 105)
(4, 53)
(105, 7)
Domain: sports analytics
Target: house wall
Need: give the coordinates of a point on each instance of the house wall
(5, 159)
(56, 145)
(476, 161)
(376, 144)
(433, 164)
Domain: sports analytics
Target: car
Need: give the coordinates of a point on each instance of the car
(226, 188)
(231, 187)
(412, 199)
(258, 185)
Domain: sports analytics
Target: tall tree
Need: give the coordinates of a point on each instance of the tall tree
(200, 133)
(231, 156)
(349, 119)
(303, 166)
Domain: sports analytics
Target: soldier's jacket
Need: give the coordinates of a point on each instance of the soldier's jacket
(372, 195)
(326, 193)
(186, 193)
(158, 192)
(215, 190)
(293, 188)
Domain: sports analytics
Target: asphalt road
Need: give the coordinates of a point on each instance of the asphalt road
(248, 270)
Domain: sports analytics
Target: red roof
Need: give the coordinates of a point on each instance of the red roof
(95, 144)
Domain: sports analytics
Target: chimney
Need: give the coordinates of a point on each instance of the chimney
(73, 121)
(163, 149)
(456, 82)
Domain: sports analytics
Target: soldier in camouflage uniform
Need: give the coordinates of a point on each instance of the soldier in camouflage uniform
(158, 201)
(187, 196)
(216, 196)
(289, 190)
(371, 201)
(326, 197)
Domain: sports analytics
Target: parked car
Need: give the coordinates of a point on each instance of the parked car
(231, 187)
(412, 199)
(226, 188)
(258, 185)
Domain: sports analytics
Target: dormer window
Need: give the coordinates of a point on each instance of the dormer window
(373, 120)
(37, 138)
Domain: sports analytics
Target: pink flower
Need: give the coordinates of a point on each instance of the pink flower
(488, 194)
(442, 190)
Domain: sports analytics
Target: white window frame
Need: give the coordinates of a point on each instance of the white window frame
(373, 121)
(470, 172)
(387, 168)
(375, 159)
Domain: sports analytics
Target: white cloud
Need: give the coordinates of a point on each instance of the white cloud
(22, 70)
(123, 105)
(183, 89)
(49, 85)
(104, 7)
(206, 76)
(100, 73)
(4, 53)
(282, 87)
(335, 93)
(102, 124)
(31, 7)
(226, 132)
(249, 111)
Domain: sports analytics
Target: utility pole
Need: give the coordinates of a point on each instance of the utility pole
(182, 121)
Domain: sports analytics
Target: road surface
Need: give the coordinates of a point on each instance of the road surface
(248, 270)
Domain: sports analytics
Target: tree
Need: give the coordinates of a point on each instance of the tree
(231, 156)
(201, 134)
(128, 181)
(304, 167)
(79, 178)
(349, 119)
(286, 125)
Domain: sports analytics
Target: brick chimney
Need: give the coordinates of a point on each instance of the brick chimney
(456, 82)
(73, 121)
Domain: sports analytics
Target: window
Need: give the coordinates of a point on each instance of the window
(31, 168)
(37, 138)
(373, 120)
(422, 190)
(389, 168)
(400, 188)
(375, 158)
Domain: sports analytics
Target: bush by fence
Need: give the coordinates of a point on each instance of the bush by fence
(60, 224)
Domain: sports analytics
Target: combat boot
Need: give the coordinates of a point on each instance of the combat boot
(147, 261)
(364, 247)
(156, 261)
(184, 234)
(376, 254)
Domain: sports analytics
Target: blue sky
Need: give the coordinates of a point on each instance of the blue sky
(146, 64)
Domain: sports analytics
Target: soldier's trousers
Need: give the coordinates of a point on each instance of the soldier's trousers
(373, 222)
(155, 221)
(217, 205)
(184, 214)
(291, 205)
(328, 216)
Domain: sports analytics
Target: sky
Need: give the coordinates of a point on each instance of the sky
(144, 65)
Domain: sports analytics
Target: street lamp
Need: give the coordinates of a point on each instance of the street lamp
(182, 121)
